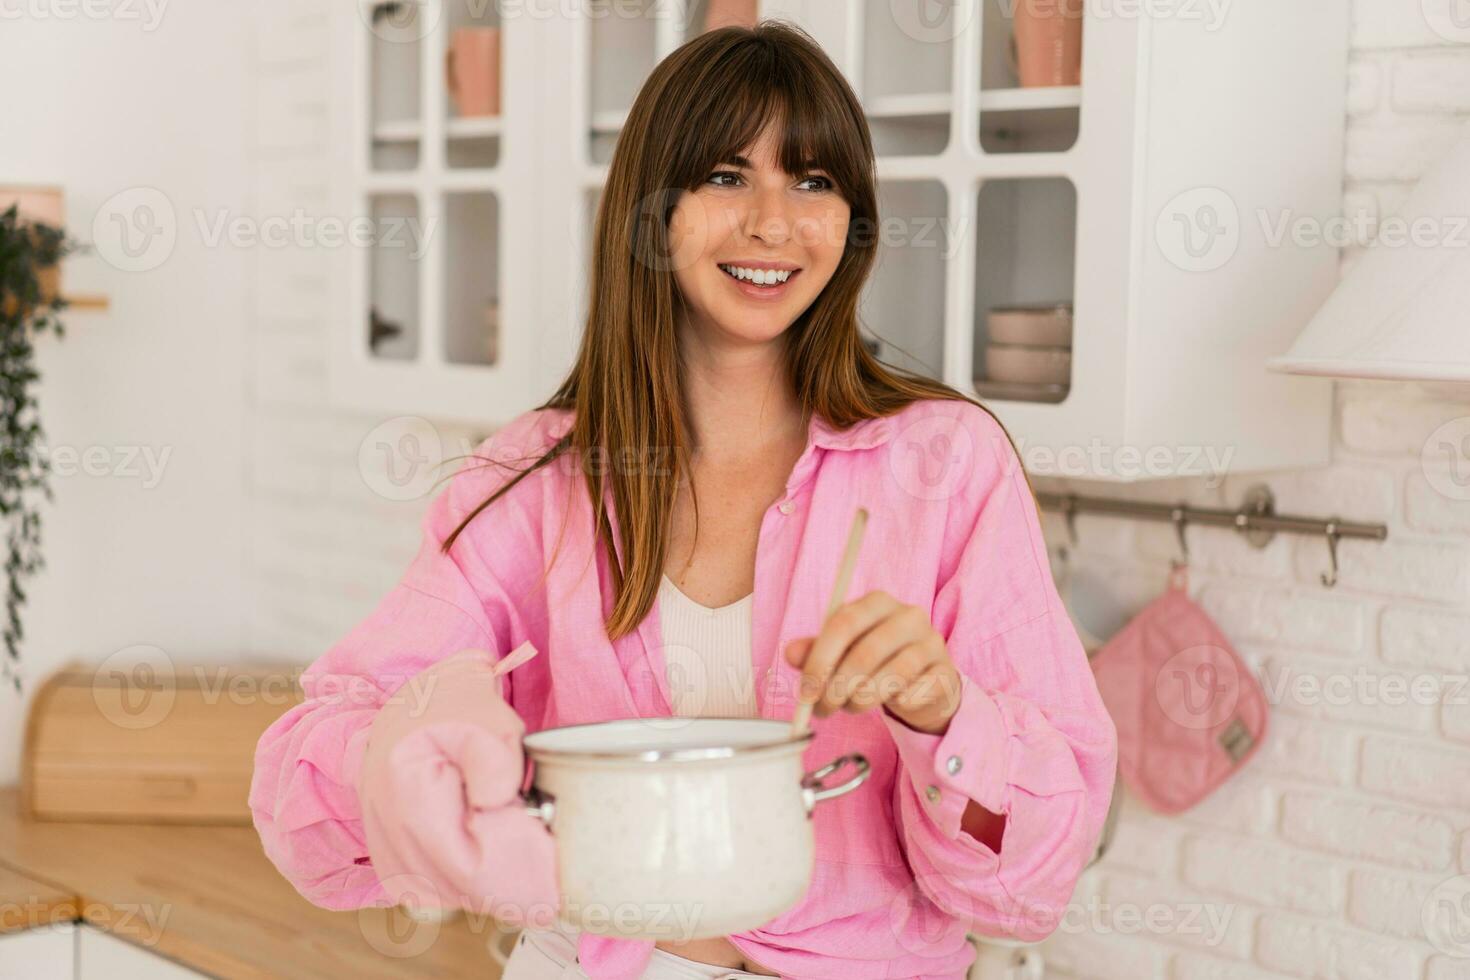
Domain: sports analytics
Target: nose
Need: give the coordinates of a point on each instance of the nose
(767, 218)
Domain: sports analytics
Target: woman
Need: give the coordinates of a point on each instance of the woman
(734, 237)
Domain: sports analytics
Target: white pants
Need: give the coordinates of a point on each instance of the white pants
(551, 954)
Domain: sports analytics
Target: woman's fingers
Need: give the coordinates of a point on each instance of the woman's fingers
(853, 647)
(892, 680)
(831, 643)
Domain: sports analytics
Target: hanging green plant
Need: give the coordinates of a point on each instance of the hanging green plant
(30, 257)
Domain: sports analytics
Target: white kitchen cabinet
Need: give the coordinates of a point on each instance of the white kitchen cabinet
(1150, 198)
(77, 951)
(447, 247)
(1169, 199)
(100, 956)
(39, 953)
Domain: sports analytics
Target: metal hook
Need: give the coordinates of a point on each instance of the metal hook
(1179, 522)
(1329, 579)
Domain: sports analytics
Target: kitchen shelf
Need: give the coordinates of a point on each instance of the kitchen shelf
(920, 104)
(1025, 255)
(994, 100)
(426, 308)
(1005, 196)
(1031, 99)
(410, 130)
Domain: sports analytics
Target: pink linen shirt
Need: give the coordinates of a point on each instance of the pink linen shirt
(897, 884)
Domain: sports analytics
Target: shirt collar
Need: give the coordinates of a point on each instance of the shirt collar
(862, 434)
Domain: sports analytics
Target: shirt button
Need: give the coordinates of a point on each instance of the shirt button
(953, 765)
(786, 507)
(933, 793)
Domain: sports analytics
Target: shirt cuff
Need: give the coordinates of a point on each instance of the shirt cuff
(967, 762)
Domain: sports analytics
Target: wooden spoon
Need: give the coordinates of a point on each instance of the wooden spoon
(802, 718)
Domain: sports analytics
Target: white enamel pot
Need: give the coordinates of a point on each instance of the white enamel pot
(680, 828)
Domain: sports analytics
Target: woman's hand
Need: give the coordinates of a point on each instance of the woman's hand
(877, 651)
(441, 810)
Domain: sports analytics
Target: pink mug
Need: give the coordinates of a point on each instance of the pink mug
(472, 68)
(1048, 42)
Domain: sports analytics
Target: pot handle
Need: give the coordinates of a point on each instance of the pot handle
(540, 804)
(814, 792)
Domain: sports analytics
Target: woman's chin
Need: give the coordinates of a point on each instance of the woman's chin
(757, 329)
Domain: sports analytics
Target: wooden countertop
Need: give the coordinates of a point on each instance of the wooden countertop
(209, 898)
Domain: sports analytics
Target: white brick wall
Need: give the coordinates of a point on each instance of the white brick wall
(1317, 859)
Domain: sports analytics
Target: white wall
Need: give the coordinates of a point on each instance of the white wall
(101, 105)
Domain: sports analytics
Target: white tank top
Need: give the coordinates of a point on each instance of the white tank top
(707, 655)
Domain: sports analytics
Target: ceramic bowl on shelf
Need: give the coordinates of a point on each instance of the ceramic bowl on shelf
(1018, 391)
(1044, 325)
(1027, 364)
(681, 825)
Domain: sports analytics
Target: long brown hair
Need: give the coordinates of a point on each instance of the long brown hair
(707, 101)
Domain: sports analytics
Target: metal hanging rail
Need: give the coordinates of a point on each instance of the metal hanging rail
(1256, 519)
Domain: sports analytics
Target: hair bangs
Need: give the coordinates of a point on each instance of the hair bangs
(761, 88)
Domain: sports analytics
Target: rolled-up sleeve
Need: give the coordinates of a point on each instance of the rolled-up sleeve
(1030, 738)
(303, 794)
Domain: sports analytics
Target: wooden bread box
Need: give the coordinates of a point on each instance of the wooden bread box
(150, 742)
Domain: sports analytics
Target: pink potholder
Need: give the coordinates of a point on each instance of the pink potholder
(1189, 712)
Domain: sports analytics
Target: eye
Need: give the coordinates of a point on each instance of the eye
(824, 183)
(714, 178)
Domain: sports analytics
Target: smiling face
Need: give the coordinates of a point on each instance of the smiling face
(753, 246)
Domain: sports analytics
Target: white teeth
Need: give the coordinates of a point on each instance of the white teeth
(761, 277)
